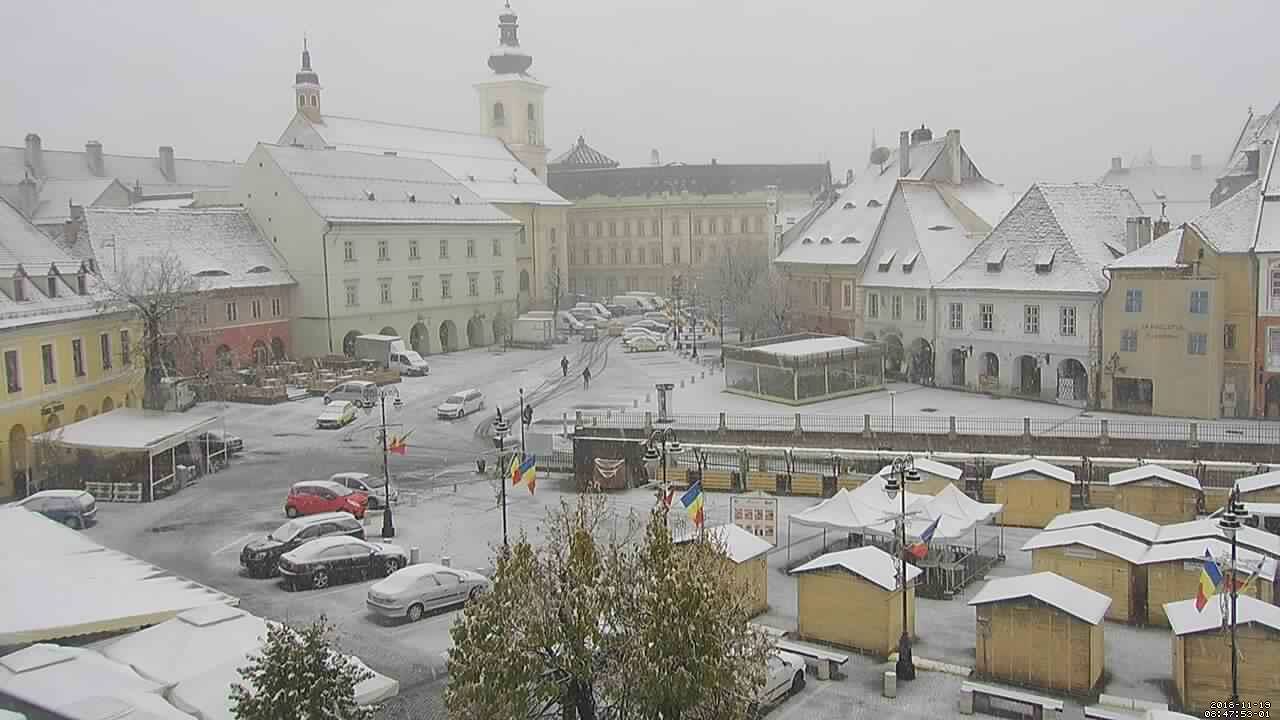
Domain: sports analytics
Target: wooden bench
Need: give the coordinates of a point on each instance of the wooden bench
(977, 697)
(763, 480)
(717, 480)
(826, 660)
(806, 484)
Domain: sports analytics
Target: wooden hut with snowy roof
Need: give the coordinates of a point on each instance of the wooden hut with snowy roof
(1100, 560)
(749, 555)
(1202, 653)
(1156, 493)
(1032, 491)
(851, 599)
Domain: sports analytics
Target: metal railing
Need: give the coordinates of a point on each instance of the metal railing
(1250, 432)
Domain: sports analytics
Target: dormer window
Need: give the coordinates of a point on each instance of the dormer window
(1044, 259)
(909, 262)
(807, 241)
(940, 228)
(826, 240)
(82, 283)
(212, 273)
(995, 259)
(848, 240)
(873, 203)
(886, 260)
(20, 286)
(53, 286)
(848, 206)
(259, 269)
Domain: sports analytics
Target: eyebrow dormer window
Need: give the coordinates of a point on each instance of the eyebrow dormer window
(53, 286)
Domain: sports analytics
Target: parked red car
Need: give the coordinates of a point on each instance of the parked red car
(317, 496)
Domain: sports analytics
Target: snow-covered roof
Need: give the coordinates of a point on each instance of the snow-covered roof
(192, 643)
(1152, 471)
(580, 156)
(1193, 550)
(55, 197)
(123, 705)
(131, 170)
(856, 213)
(944, 223)
(1185, 189)
(1252, 538)
(1230, 227)
(134, 429)
(221, 247)
(356, 187)
(1109, 518)
(868, 562)
(480, 162)
(1267, 237)
(1090, 536)
(98, 590)
(1262, 481)
(1079, 221)
(928, 465)
(739, 544)
(1159, 253)
(1050, 589)
(868, 508)
(1185, 619)
(54, 676)
(812, 346)
(1034, 465)
(1253, 136)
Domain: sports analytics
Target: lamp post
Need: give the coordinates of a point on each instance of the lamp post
(664, 438)
(500, 431)
(893, 414)
(1230, 522)
(903, 472)
(388, 524)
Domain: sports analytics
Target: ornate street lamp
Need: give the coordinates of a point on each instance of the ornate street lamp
(1232, 518)
(662, 442)
(500, 431)
(903, 473)
(388, 523)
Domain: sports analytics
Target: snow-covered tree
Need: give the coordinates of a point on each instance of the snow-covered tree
(299, 674)
(593, 626)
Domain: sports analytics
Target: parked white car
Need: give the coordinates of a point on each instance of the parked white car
(784, 676)
(460, 403)
(641, 343)
(412, 591)
(370, 485)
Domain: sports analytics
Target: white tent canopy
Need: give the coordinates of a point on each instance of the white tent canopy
(53, 676)
(869, 509)
(133, 429)
(192, 643)
(123, 706)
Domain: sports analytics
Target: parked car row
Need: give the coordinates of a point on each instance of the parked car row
(76, 509)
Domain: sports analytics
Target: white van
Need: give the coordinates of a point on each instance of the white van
(408, 363)
(361, 392)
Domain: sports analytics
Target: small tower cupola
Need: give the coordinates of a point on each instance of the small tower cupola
(306, 87)
(509, 59)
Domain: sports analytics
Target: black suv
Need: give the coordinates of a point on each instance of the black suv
(261, 557)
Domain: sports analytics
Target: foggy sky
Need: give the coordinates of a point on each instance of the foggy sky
(1039, 90)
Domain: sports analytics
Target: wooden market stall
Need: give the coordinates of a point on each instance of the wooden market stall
(1100, 560)
(749, 555)
(1156, 493)
(1173, 573)
(1032, 491)
(1040, 630)
(1263, 488)
(1110, 519)
(850, 599)
(1202, 653)
(934, 476)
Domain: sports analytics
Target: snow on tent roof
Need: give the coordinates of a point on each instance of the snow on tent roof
(1050, 589)
(739, 544)
(123, 705)
(1246, 560)
(190, 644)
(1185, 619)
(1264, 481)
(886, 260)
(1033, 465)
(1251, 538)
(133, 429)
(1090, 536)
(812, 346)
(933, 467)
(53, 676)
(1109, 518)
(1152, 472)
(868, 562)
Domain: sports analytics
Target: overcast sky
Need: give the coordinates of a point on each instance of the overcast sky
(1040, 90)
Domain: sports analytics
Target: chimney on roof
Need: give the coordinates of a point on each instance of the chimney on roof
(921, 134)
(166, 163)
(1117, 163)
(848, 177)
(904, 153)
(93, 154)
(654, 158)
(1197, 162)
(1252, 157)
(953, 156)
(1137, 233)
(28, 196)
(34, 156)
(713, 161)
(1160, 227)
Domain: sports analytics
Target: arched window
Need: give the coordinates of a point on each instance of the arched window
(499, 115)
(534, 136)
(302, 100)
(552, 236)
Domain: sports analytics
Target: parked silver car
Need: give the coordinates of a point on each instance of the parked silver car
(371, 485)
(411, 591)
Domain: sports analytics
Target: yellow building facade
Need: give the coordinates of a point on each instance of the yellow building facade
(1178, 321)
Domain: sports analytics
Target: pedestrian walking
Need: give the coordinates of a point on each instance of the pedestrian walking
(564, 366)
(586, 378)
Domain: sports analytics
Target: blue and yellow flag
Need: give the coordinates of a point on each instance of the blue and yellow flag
(692, 500)
(1210, 580)
(524, 470)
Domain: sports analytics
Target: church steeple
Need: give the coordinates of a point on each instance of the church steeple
(306, 87)
(509, 59)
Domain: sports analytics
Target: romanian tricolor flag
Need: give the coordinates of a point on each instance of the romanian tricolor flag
(1210, 580)
(399, 445)
(692, 501)
(920, 549)
(524, 470)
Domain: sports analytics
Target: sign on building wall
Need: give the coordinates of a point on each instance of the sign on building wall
(756, 513)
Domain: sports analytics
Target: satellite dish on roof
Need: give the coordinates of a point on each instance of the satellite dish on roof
(880, 156)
